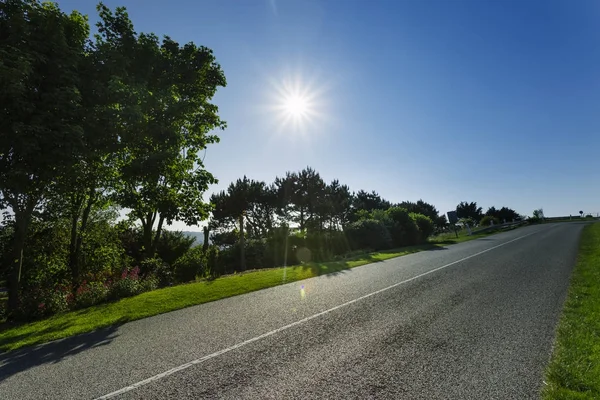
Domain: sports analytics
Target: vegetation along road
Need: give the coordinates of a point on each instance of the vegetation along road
(468, 321)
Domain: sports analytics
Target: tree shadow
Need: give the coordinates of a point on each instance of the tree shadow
(16, 361)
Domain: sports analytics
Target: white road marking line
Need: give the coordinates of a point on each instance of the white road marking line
(293, 324)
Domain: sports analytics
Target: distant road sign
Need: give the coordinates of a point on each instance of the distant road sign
(452, 217)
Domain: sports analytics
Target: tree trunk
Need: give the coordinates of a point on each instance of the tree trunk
(242, 244)
(161, 220)
(22, 220)
(146, 238)
(73, 265)
(205, 244)
(84, 222)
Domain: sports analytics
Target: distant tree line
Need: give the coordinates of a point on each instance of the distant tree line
(266, 224)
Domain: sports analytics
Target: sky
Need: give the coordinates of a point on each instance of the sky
(447, 101)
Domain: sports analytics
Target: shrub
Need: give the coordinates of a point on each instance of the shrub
(403, 229)
(213, 267)
(190, 265)
(368, 234)
(149, 284)
(173, 245)
(487, 221)
(127, 286)
(38, 302)
(425, 225)
(89, 294)
(159, 270)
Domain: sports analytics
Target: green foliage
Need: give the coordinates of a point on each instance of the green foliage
(125, 287)
(38, 302)
(191, 265)
(503, 214)
(172, 245)
(41, 49)
(469, 210)
(158, 270)
(403, 229)
(488, 219)
(424, 224)
(89, 294)
(368, 234)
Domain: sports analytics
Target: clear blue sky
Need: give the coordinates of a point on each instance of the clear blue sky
(490, 101)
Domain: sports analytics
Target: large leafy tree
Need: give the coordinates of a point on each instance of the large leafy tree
(41, 49)
(106, 107)
(161, 174)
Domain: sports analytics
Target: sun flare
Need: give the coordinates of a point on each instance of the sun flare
(296, 106)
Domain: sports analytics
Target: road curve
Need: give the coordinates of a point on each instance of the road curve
(469, 321)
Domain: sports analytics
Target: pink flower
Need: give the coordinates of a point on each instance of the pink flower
(41, 306)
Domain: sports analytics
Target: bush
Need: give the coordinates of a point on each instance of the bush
(487, 221)
(89, 294)
(173, 245)
(38, 302)
(403, 229)
(425, 225)
(149, 284)
(128, 285)
(368, 234)
(214, 268)
(190, 265)
(159, 270)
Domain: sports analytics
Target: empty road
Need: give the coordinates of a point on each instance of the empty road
(470, 321)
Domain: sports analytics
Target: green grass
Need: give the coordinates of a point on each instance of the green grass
(177, 297)
(463, 236)
(173, 298)
(574, 370)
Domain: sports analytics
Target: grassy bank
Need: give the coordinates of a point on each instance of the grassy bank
(177, 297)
(574, 371)
(174, 298)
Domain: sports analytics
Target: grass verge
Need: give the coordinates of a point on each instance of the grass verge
(177, 297)
(160, 301)
(574, 370)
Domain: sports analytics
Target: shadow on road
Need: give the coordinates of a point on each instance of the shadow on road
(16, 361)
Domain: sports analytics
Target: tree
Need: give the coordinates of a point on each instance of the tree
(469, 210)
(41, 49)
(581, 214)
(427, 209)
(364, 201)
(161, 174)
(105, 107)
(538, 214)
(244, 203)
(503, 214)
(300, 197)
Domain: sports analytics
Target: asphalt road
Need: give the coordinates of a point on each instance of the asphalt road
(471, 321)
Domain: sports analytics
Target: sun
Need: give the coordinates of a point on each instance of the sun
(296, 106)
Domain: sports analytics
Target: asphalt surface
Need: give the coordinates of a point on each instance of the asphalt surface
(470, 321)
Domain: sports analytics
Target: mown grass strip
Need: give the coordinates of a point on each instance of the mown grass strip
(574, 370)
(176, 297)
(160, 301)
